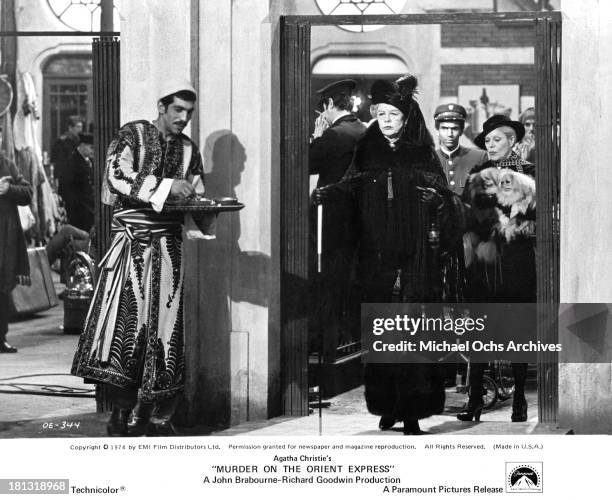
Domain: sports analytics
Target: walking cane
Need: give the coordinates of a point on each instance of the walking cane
(320, 286)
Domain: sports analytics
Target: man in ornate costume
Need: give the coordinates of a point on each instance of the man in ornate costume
(133, 338)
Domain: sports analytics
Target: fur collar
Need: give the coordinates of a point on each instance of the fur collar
(374, 152)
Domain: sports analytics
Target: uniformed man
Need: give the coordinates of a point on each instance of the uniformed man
(336, 133)
(456, 160)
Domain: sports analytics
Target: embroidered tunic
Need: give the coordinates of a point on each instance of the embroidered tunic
(133, 335)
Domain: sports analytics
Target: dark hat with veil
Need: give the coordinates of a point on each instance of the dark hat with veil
(401, 94)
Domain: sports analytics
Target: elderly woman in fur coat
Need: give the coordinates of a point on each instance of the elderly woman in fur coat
(399, 193)
(500, 241)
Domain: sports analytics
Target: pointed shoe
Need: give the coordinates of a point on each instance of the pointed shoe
(471, 412)
(7, 348)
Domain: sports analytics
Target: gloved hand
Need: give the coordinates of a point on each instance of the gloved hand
(320, 195)
(5, 183)
(430, 196)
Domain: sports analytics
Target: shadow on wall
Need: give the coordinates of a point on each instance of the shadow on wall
(217, 385)
(227, 157)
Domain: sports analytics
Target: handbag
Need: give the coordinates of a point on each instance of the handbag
(26, 217)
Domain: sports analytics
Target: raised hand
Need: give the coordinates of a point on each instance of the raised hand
(321, 125)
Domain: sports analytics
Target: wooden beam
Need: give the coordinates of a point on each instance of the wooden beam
(295, 97)
(10, 33)
(434, 18)
(548, 199)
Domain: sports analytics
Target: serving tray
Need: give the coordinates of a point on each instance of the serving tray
(204, 205)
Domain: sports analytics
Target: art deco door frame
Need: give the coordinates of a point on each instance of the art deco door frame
(295, 112)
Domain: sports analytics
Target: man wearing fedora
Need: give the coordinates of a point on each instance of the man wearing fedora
(456, 160)
(133, 339)
(336, 132)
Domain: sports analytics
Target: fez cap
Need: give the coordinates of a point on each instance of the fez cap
(450, 113)
(346, 86)
(398, 93)
(86, 138)
(173, 86)
(495, 122)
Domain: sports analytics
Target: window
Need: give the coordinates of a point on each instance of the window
(67, 90)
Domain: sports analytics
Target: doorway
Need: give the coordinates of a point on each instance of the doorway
(67, 91)
(296, 90)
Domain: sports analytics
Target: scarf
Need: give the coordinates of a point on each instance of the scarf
(513, 162)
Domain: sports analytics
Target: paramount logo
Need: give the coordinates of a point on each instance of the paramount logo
(524, 477)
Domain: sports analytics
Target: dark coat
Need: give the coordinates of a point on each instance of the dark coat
(512, 277)
(518, 267)
(13, 254)
(330, 292)
(61, 151)
(331, 154)
(392, 238)
(78, 193)
(393, 221)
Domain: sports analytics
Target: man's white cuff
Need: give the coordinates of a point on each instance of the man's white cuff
(161, 194)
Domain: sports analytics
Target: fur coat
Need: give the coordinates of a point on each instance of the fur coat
(500, 242)
(397, 262)
(393, 217)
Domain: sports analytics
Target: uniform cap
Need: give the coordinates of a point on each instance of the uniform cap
(450, 113)
(341, 86)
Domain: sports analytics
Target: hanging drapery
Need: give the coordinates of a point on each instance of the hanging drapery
(29, 158)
